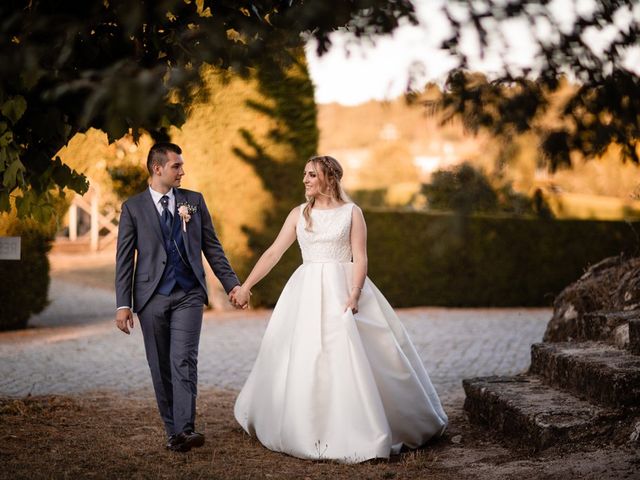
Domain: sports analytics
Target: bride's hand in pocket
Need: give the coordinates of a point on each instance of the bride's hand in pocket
(352, 303)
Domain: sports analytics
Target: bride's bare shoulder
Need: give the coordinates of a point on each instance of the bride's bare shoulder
(294, 214)
(355, 208)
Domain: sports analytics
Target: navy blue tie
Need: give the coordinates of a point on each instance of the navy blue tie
(167, 218)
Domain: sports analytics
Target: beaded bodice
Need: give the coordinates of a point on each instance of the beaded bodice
(330, 237)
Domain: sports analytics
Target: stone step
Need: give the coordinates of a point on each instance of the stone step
(634, 336)
(597, 372)
(536, 415)
(607, 326)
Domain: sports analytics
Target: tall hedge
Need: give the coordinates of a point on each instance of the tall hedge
(418, 258)
(25, 282)
(245, 146)
(292, 106)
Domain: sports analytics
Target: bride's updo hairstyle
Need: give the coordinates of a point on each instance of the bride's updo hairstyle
(329, 184)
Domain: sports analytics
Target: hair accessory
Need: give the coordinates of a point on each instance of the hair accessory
(325, 161)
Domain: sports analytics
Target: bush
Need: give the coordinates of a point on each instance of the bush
(128, 179)
(418, 258)
(25, 282)
(466, 189)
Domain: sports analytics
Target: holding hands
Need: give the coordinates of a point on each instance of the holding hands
(239, 296)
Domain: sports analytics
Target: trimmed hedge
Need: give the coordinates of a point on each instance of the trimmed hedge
(418, 258)
(25, 282)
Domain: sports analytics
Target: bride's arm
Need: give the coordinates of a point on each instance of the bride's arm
(359, 252)
(272, 255)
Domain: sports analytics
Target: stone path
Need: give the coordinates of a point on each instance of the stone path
(73, 304)
(74, 358)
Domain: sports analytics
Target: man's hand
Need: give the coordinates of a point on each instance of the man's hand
(232, 296)
(239, 297)
(124, 320)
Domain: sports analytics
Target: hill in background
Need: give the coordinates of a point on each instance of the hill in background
(395, 146)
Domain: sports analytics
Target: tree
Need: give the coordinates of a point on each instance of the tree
(463, 189)
(605, 107)
(466, 189)
(132, 66)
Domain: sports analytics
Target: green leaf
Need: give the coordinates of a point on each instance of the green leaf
(11, 173)
(14, 108)
(61, 173)
(78, 183)
(5, 201)
(42, 212)
(6, 138)
(31, 77)
(23, 204)
(116, 127)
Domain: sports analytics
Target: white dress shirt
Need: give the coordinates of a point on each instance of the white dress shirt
(156, 196)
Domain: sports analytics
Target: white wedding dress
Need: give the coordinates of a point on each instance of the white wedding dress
(333, 385)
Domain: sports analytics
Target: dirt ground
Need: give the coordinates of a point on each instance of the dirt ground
(104, 435)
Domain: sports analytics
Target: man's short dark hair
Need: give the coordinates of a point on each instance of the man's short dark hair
(158, 154)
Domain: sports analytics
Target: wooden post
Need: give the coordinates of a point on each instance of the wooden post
(73, 222)
(95, 220)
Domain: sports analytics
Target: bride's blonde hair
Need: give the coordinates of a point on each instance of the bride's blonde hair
(332, 174)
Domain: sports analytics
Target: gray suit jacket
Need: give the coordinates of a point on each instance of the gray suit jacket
(137, 277)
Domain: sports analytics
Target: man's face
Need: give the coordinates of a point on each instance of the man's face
(171, 173)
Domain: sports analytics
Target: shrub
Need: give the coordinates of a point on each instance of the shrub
(466, 189)
(128, 179)
(25, 282)
(452, 260)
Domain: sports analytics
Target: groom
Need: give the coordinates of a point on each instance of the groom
(168, 228)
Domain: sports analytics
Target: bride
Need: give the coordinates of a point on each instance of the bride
(337, 376)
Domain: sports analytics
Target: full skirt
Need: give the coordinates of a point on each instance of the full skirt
(328, 384)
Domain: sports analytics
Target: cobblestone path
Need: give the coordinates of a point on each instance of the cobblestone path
(71, 359)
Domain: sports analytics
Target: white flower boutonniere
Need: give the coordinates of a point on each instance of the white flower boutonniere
(185, 211)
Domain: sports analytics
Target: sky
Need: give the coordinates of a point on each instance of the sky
(381, 72)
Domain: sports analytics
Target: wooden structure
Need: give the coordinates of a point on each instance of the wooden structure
(103, 228)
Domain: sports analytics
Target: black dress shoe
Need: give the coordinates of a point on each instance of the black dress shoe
(187, 440)
(172, 442)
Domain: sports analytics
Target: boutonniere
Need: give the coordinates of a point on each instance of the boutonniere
(185, 211)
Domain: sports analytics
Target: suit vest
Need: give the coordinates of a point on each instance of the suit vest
(177, 269)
